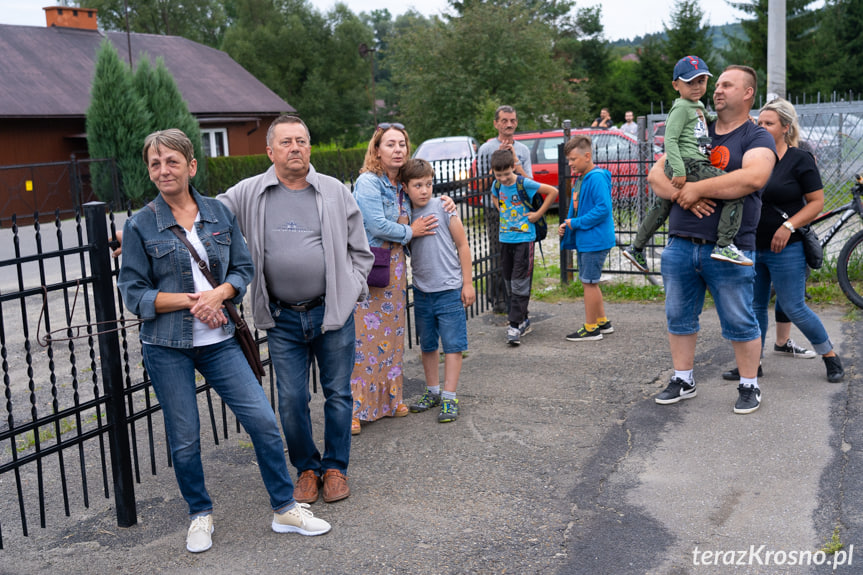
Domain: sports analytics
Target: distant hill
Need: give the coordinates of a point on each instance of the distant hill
(719, 35)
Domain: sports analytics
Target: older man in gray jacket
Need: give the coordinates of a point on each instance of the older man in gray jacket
(305, 233)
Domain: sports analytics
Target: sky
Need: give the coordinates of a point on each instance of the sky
(621, 18)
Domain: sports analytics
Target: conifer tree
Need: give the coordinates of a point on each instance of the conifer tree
(117, 123)
(168, 109)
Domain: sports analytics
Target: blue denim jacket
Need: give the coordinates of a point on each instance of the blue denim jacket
(155, 260)
(378, 200)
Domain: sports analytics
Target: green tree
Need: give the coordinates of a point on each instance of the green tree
(309, 60)
(203, 21)
(117, 123)
(687, 33)
(653, 81)
(838, 47)
(168, 109)
(448, 73)
(750, 49)
(587, 53)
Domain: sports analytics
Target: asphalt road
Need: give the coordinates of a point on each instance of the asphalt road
(561, 462)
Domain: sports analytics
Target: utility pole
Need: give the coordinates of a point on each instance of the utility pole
(370, 52)
(776, 49)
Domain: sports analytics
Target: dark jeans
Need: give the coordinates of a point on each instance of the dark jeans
(517, 263)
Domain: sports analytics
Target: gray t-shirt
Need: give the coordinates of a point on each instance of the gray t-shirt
(493, 145)
(293, 253)
(434, 260)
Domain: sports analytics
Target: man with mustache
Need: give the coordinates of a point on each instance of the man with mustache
(305, 233)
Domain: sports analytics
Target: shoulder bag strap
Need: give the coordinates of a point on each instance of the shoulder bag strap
(202, 265)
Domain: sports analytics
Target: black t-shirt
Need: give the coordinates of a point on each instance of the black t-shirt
(726, 153)
(794, 176)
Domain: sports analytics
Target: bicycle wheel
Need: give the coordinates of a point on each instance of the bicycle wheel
(849, 269)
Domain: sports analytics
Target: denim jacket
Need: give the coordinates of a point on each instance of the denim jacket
(155, 260)
(378, 200)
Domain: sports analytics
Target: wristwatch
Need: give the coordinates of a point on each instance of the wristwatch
(788, 225)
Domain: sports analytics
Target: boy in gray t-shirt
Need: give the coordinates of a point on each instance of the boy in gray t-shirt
(443, 287)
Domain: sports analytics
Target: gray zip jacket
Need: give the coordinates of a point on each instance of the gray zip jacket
(346, 248)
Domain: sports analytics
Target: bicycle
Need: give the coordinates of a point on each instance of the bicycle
(849, 265)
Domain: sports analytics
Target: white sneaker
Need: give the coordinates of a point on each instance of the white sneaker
(298, 519)
(200, 536)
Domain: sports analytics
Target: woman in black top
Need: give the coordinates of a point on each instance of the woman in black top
(795, 189)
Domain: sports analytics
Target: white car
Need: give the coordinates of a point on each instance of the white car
(454, 161)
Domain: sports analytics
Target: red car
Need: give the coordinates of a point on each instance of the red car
(613, 150)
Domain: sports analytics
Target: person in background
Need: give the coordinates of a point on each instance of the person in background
(629, 126)
(604, 120)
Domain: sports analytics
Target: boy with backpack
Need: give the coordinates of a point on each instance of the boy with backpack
(514, 197)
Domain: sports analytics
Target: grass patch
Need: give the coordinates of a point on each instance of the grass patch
(834, 544)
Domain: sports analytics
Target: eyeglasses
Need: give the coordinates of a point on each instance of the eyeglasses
(387, 126)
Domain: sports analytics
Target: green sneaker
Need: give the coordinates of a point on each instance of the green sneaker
(448, 411)
(636, 257)
(426, 402)
(732, 254)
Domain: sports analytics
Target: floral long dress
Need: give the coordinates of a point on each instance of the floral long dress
(376, 383)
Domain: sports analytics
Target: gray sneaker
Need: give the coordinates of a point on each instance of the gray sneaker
(426, 402)
(513, 336)
(731, 254)
(636, 257)
(448, 411)
(524, 327)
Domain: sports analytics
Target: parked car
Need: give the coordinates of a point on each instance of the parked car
(612, 149)
(454, 161)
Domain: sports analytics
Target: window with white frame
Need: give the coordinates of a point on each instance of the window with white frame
(215, 142)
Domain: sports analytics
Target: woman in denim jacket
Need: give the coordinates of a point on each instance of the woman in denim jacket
(184, 329)
(376, 383)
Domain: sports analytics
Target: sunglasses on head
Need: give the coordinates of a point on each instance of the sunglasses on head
(387, 126)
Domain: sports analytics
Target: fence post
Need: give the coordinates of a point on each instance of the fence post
(109, 353)
(563, 201)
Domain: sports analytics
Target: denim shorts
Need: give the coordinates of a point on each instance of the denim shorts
(688, 271)
(440, 315)
(590, 265)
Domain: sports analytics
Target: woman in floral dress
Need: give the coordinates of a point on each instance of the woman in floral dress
(376, 382)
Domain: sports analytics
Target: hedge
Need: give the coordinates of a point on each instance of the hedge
(225, 171)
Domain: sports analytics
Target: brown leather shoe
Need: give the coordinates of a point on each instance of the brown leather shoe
(335, 486)
(306, 490)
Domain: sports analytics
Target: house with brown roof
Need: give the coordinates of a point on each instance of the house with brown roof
(45, 78)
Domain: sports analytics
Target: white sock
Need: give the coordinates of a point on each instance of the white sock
(435, 390)
(685, 375)
(749, 382)
(448, 395)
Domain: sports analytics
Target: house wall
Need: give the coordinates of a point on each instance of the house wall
(39, 140)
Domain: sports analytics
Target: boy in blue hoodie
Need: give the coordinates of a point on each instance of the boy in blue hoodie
(589, 229)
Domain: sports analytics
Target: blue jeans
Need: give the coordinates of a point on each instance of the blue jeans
(787, 272)
(590, 266)
(440, 315)
(224, 366)
(295, 337)
(687, 271)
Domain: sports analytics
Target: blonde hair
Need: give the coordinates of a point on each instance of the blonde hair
(372, 163)
(787, 117)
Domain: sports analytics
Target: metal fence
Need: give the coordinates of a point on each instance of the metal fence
(78, 416)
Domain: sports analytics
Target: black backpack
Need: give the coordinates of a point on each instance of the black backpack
(540, 225)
